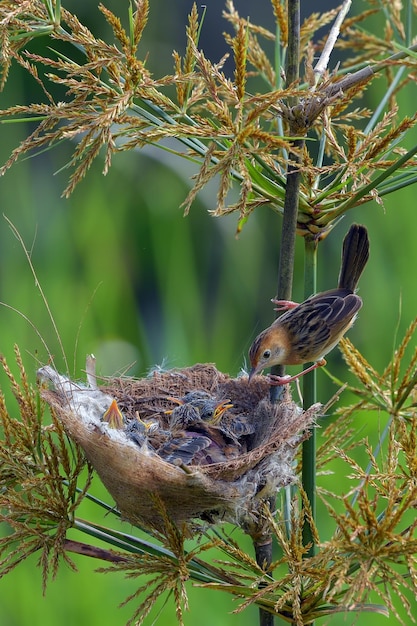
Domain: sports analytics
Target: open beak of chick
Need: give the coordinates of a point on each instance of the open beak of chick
(220, 410)
(113, 416)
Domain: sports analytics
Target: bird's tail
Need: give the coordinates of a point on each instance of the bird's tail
(355, 254)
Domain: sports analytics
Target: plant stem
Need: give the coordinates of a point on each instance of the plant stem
(93, 551)
(290, 214)
(263, 555)
(293, 179)
(309, 398)
(323, 62)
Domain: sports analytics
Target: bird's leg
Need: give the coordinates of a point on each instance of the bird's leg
(284, 305)
(284, 380)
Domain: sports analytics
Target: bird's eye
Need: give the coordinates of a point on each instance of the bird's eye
(266, 354)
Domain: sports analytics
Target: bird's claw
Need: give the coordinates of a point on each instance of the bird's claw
(277, 381)
(284, 305)
(284, 380)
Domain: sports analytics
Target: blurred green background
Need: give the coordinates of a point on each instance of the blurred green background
(131, 280)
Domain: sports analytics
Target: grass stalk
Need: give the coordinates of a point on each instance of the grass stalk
(290, 213)
(309, 398)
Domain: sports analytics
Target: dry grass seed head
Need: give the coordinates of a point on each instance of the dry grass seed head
(399, 356)
(280, 13)
(35, 463)
(240, 51)
(360, 367)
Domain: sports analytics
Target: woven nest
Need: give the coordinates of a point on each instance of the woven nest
(215, 467)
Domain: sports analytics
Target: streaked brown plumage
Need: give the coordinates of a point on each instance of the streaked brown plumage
(193, 434)
(308, 331)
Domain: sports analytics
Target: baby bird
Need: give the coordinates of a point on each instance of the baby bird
(197, 437)
(308, 331)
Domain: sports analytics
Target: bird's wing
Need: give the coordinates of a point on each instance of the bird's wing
(183, 448)
(318, 323)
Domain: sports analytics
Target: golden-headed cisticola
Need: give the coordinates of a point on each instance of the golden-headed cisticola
(308, 331)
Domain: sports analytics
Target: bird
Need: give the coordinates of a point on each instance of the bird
(144, 434)
(183, 448)
(192, 435)
(198, 404)
(197, 436)
(183, 415)
(173, 445)
(306, 332)
(214, 410)
(193, 441)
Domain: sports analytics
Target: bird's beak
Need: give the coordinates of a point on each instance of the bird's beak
(113, 416)
(252, 374)
(220, 409)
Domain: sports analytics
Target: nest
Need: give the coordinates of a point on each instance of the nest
(215, 467)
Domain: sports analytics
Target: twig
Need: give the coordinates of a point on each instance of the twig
(365, 73)
(323, 61)
(350, 80)
(90, 370)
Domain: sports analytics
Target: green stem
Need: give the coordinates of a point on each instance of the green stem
(263, 555)
(291, 202)
(309, 398)
(292, 189)
(289, 226)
